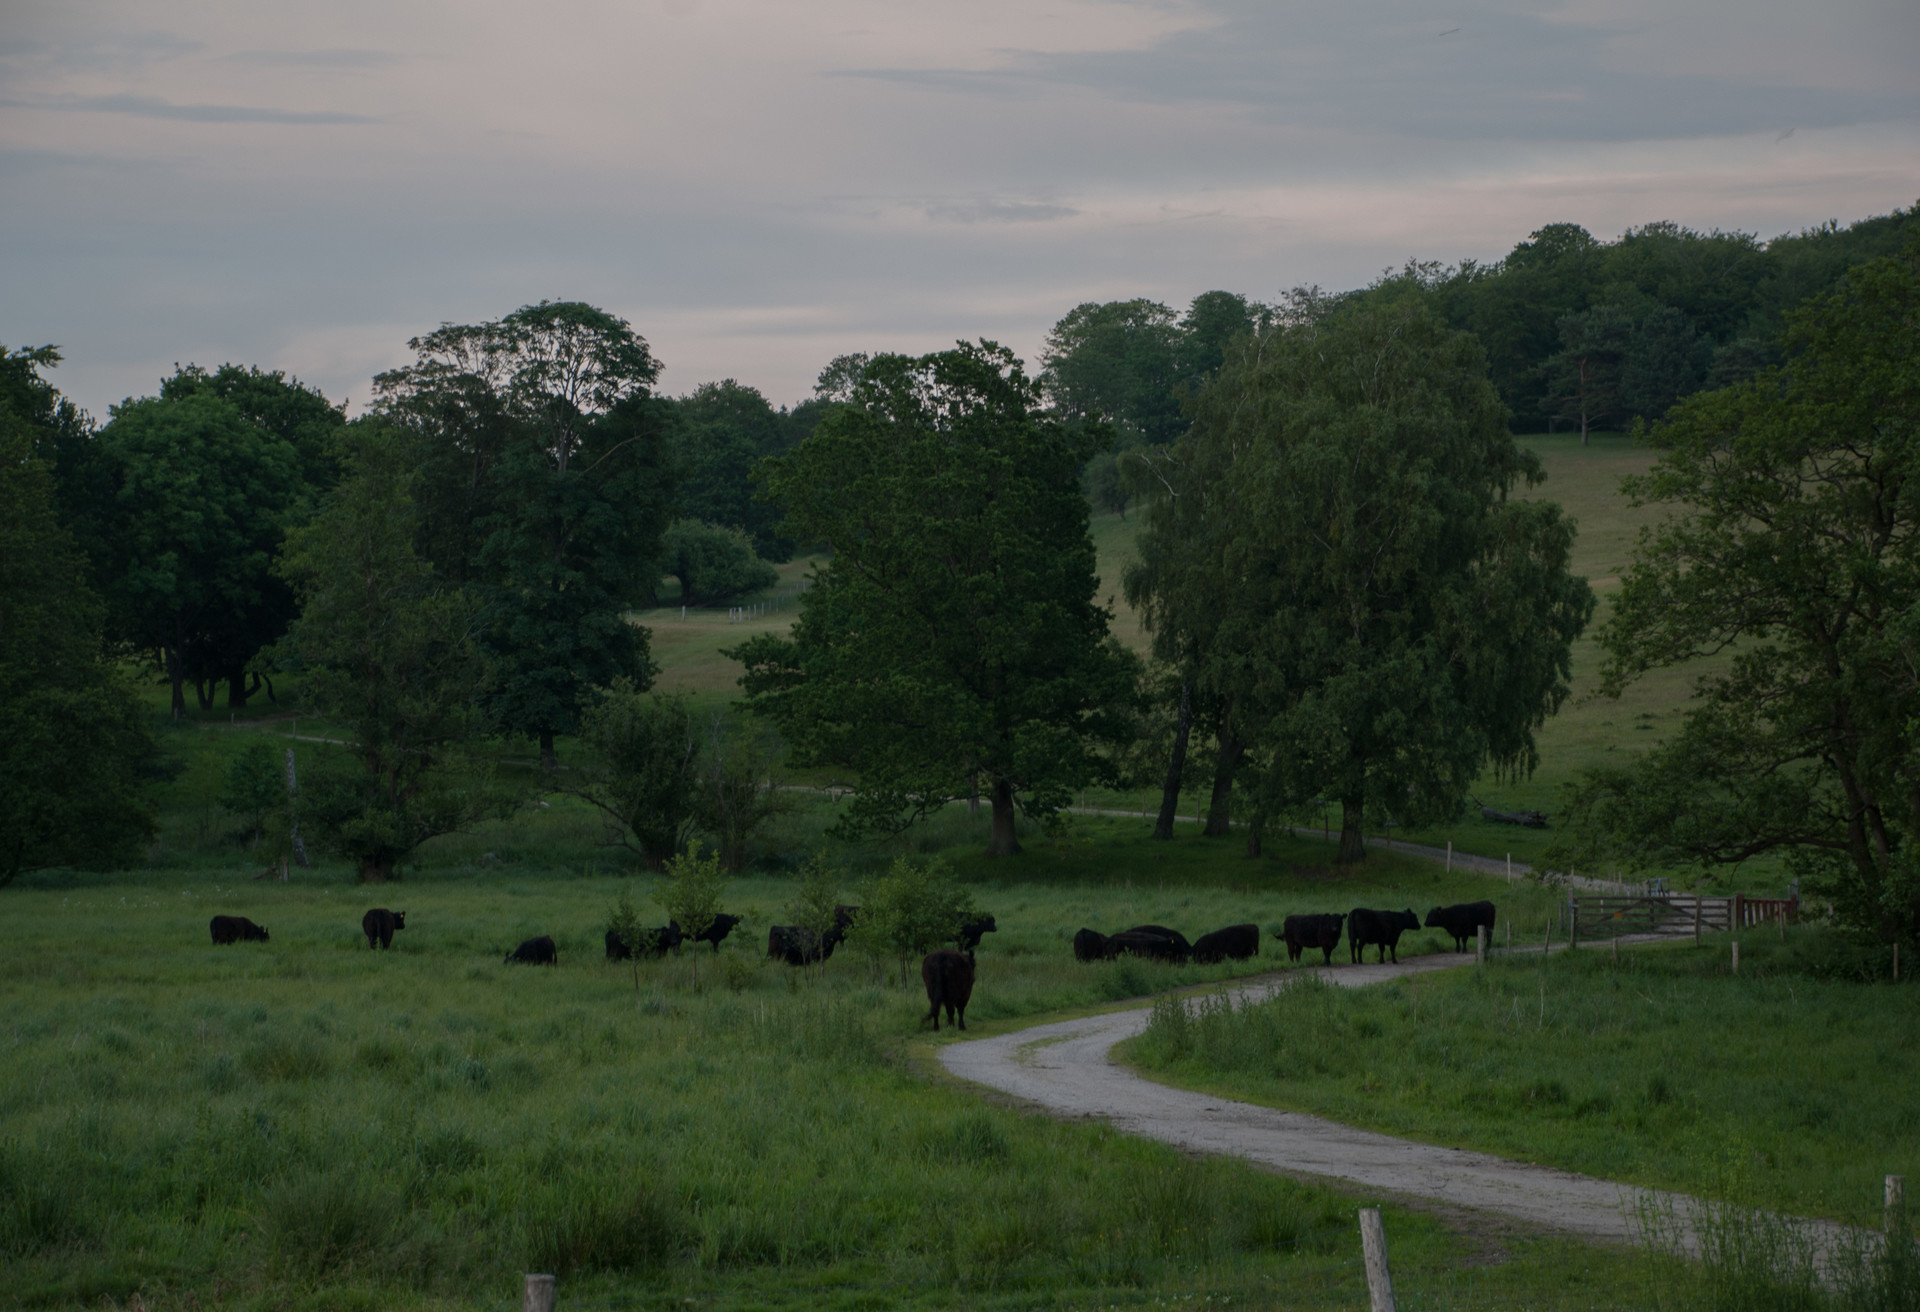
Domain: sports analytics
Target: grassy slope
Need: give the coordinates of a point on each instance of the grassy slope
(1791, 1083)
(307, 1124)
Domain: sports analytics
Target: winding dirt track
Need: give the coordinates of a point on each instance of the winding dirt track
(1065, 1068)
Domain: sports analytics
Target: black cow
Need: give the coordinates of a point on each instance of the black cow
(968, 935)
(1089, 945)
(535, 952)
(1173, 936)
(1313, 931)
(800, 947)
(1463, 921)
(236, 929)
(378, 925)
(1381, 929)
(948, 976)
(723, 925)
(1156, 947)
(653, 942)
(1236, 941)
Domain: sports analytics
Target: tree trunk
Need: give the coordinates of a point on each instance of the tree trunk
(1001, 840)
(548, 761)
(1220, 806)
(378, 870)
(1353, 847)
(1256, 827)
(1170, 790)
(203, 694)
(178, 678)
(238, 690)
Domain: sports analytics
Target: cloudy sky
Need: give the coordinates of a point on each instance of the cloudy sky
(759, 186)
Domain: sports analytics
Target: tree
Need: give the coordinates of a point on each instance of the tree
(720, 431)
(76, 749)
(1666, 359)
(737, 794)
(389, 654)
(642, 769)
(551, 495)
(815, 909)
(1585, 372)
(1792, 548)
(298, 415)
(253, 787)
(691, 895)
(954, 636)
(713, 563)
(201, 498)
(912, 909)
(1336, 559)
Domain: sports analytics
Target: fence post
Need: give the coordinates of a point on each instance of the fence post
(539, 1294)
(1736, 956)
(1509, 867)
(1573, 924)
(1738, 915)
(1697, 900)
(1373, 1245)
(1449, 856)
(1480, 945)
(1896, 1214)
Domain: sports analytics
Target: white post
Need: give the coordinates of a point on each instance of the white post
(1449, 856)
(539, 1294)
(1509, 867)
(1480, 946)
(1373, 1245)
(1736, 956)
(1896, 1221)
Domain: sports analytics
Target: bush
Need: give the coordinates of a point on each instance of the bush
(910, 910)
(714, 563)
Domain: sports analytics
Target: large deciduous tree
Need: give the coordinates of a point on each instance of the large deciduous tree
(1336, 557)
(546, 494)
(76, 749)
(1792, 547)
(389, 653)
(954, 639)
(200, 499)
(720, 431)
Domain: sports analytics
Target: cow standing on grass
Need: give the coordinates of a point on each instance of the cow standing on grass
(948, 976)
(378, 925)
(235, 929)
(535, 952)
(1235, 942)
(1381, 929)
(1313, 931)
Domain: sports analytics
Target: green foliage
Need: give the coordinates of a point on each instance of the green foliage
(691, 891)
(1334, 559)
(388, 654)
(255, 787)
(737, 793)
(544, 491)
(76, 749)
(907, 912)
(816, 899)
(714, 564)
(642, 769)
(1793, 544)
(720, 431)
(201, 498)
(954, 638)
(284, 407)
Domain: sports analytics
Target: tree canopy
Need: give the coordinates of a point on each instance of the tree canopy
(1335, 557)
(1792, 549)
(953, 642)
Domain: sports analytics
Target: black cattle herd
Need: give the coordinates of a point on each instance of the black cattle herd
(948, 972)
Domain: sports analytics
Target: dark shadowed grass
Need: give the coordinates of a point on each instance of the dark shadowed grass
(1636, 1071)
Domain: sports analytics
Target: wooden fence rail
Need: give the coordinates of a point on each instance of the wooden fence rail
(1610, 916)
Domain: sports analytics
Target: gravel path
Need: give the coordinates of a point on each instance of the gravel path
(1065, 1068)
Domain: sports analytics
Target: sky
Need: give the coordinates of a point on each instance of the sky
(758, 187)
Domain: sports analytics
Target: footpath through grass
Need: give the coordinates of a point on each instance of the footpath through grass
(307, 1124)
(1799, 1079)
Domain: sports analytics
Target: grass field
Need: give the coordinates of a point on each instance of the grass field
(306, 1124)
(1796, 1078)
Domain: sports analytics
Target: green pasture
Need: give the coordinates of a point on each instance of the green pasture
(305, 1123)
(1792, 1084)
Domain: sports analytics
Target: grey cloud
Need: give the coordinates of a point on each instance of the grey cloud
(997, 211)
(338, 59)
(93, 52)
(153, 107)
(1368, 67)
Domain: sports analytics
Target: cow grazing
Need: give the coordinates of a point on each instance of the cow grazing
(1173, 936)
(801, 947)
(378, 925)
(948, 976)
(968, 935)
(1381, 929)
(535, 952)
(1089, 945)
(653, 942)
(1312, 931)
(235, 929)
(1155, 947)
(1463, 921)
(723, 925)
(1235, 941)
